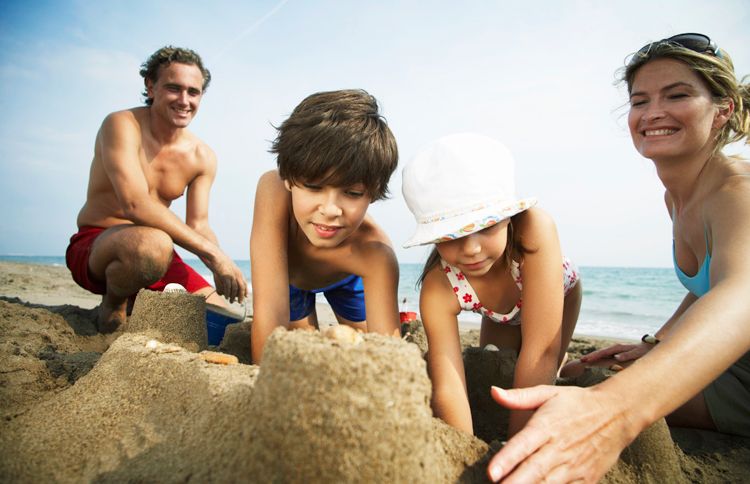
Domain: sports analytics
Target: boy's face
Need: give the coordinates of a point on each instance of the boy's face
(326, 214)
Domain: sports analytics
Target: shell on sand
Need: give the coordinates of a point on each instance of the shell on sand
(343, 334)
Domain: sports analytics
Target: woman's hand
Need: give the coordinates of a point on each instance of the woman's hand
(622, 353)
(576, 434)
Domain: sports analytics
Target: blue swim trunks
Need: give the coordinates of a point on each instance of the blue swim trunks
(346, 297)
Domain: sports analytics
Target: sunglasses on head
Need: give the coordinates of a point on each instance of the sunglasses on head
(696, 42)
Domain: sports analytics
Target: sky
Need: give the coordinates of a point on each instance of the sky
(539, 76)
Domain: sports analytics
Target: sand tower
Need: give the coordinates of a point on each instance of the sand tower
(353, 409)
(171, 317)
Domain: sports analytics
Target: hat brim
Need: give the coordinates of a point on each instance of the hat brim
(451, 228)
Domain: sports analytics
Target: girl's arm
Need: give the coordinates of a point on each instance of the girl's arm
(577, 433)
(439, 309)
(269, 260)
(542, 310)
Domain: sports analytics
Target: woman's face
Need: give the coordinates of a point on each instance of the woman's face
(672, 114)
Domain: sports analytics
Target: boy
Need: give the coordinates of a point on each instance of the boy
(311, 232)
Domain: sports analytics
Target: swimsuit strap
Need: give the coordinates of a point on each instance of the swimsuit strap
(467, 297)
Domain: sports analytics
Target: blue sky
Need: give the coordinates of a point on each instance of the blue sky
(537, 75)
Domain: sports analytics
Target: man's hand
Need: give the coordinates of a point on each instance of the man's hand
(228, 278)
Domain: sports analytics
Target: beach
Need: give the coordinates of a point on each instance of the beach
(154, 404)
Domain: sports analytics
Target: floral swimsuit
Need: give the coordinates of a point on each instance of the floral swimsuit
(469, 301)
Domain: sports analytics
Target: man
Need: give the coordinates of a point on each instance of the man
(144, 158)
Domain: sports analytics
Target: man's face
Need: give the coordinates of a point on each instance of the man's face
(176, 93)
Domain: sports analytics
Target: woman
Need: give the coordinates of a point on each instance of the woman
(685, 106)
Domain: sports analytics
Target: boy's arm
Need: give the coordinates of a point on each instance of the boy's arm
(438, 308)
(542, 309)
(380, 278)
(268, 260)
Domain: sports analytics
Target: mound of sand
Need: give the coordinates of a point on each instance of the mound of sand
(81, 406)
(346, 412)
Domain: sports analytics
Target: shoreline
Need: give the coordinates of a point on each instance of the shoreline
(52, 285)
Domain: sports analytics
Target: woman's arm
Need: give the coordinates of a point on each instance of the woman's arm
(269, 260)
(542, 310)
(439, 309)
(578, 433)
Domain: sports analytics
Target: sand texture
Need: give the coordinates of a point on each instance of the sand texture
(143, 405)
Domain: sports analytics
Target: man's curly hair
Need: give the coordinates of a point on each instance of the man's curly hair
(165, 56)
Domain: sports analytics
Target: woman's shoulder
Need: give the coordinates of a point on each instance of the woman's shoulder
(733, 179)
(730, 191)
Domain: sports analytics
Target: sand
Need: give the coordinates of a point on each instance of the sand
(142, 404)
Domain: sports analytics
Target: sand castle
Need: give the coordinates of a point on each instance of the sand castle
(332, 407)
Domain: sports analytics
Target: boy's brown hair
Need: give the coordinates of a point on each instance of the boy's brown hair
(337, 138)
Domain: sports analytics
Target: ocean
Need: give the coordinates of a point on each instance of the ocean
(617, 302)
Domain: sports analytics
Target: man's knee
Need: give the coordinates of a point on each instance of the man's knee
(151, 252)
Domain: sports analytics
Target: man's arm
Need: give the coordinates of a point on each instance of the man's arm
(119, 145)
(269, 264)
(232, 283)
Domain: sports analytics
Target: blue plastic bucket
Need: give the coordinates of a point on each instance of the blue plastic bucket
(217, 319)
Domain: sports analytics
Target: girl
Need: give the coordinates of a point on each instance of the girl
(494, 254)
(685, 106)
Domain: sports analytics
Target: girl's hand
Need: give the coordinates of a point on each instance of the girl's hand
(620, 352)
(576, 434)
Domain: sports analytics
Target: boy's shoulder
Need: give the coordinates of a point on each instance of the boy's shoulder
(369, 235)
(369, 246)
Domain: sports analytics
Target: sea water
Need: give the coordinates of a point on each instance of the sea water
(617, 302)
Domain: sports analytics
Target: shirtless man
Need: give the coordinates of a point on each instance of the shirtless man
(144, 158)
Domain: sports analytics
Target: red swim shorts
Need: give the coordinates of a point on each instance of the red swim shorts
(77, 260)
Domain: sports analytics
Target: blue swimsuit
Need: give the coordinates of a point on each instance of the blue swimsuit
(346, 297)
(700, 283)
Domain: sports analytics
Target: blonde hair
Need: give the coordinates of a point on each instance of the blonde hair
(716, 71)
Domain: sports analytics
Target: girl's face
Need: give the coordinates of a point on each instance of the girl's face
(672, 113)
(476, 253)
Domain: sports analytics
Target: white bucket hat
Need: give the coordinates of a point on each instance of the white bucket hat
(458, 185)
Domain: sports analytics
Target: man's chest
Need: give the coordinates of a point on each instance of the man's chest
(169, 176)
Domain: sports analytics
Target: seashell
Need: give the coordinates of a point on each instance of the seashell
(218, 358)
(343, 334)
(174, 287)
